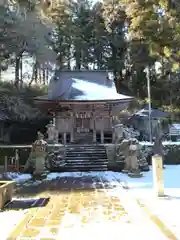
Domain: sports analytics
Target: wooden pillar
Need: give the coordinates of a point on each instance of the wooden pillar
(72, 136)
(102, 130)
(64, 138)
(102, 136)
(72, 128)
(94, 130)
(94, 135)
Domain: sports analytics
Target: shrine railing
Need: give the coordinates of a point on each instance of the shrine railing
(14, 157)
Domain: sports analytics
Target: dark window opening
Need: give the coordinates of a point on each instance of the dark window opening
(98, 137)
(107, 137)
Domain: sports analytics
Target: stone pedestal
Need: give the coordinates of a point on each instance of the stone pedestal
(39, 165)
(157, 167)
(136, 173)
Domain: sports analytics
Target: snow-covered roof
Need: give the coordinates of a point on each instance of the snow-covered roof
(175, 126)
(174, 129)
(155, 113)
(84, 87)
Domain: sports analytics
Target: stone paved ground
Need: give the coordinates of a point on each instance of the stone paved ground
(84, 208)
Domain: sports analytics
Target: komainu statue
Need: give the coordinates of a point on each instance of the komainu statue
(36, 161)
(128, 150)
(134, 170)
(55, 159)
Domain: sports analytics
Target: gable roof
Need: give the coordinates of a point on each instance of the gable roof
(78, 87)
(155, 113)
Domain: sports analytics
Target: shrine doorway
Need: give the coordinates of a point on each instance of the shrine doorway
(83, 133)
(82, 125)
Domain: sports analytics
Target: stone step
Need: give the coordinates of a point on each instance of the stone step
(85, 165)
(86, 169)
(80, 168)
(86, 160)
(74, 165)
(86, 156)
(85, 146)
(86, 151)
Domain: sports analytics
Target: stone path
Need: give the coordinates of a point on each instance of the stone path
(85, 208)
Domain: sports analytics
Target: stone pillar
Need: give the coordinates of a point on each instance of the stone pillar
(102, 136)
(64, 138)
(157, 168)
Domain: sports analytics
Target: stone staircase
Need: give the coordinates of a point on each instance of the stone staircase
(86, 158)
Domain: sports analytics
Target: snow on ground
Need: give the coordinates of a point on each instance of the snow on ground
(165, 208)
(9, 220)
(139, 188)
(170, 175)
(17, 177)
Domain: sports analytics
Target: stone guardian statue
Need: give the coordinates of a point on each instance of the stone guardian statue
(37, 156)
(133, 156)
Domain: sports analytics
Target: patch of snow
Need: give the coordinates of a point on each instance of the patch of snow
(106, 175)
(170, 175)
(164, 208)
(164, 143)
(18, 177)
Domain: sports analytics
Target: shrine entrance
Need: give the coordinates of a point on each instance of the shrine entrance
(82, 125)
(83, 132)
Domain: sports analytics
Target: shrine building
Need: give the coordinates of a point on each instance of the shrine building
(84, 104)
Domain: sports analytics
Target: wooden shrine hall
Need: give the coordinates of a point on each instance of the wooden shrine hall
(84, 104)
